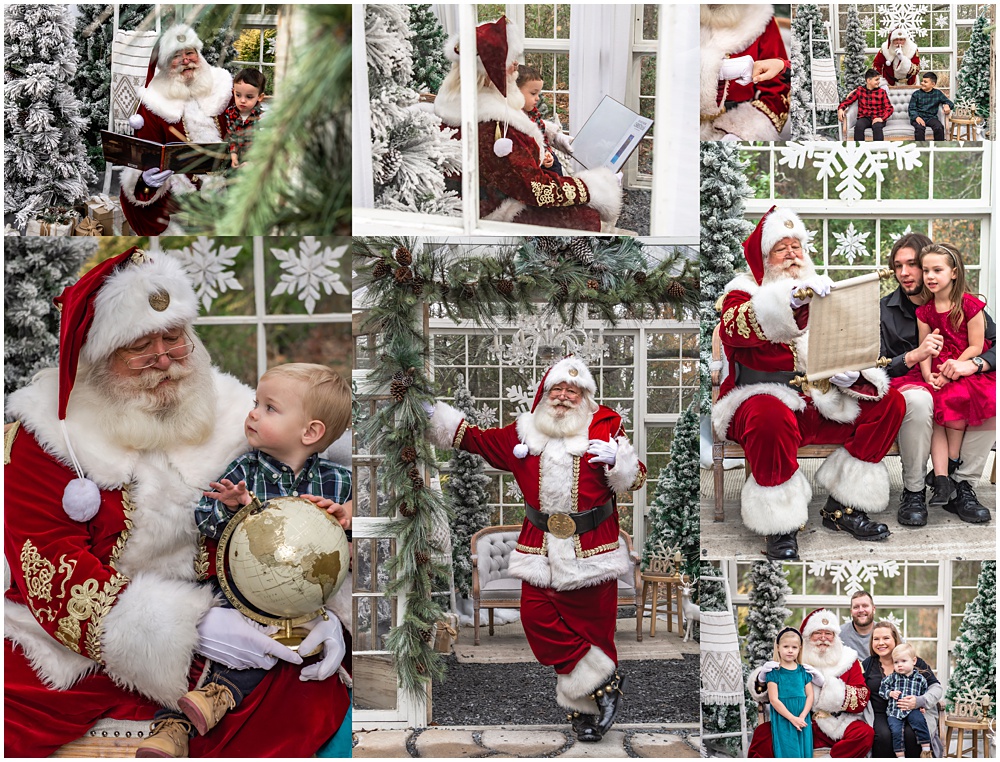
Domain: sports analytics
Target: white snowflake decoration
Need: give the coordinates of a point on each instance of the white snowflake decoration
(309, 271)
(896, 236)
(513, 491)
(851, 162)
(210, 268)
(520, 399)
(810, 242)
(970, 700)
(941, 21)
(624, 412)
(851, 244)
(855, 575)
(485, 416)
(867, 22)
(908, 16)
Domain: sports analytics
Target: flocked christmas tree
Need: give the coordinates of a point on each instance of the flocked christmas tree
(411, 154)
(36, 269)
(45, 160)
(975, 651)
(674, 520)
(429, 64)
(806, 16)
(467, 489)
(974, 74)
(855, 61)
(800, 107)
(766, 614)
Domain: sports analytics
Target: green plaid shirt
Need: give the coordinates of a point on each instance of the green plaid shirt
(926, 105)
(267, 477)
(913, 684)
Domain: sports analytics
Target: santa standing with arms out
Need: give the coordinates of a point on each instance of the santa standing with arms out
(184, 101)
(897, 60)
(570, 456)
(841, 695)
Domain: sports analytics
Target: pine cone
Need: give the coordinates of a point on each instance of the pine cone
(548, 244)
(417, 289)
(392, 160)
(562, 292)
(403, 256)
(398, 390)
(506, 287)
(421, 669)
(402, 274)
(381, 269)
(592, 284)
(640, 277)
(675, 290)
(407, 511)
(469, 289)
(415, 478)
(421, 557)
(427, 635)
(409, 454)
(581, 249)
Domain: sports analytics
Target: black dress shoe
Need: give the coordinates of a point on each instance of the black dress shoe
(912, 509)
(944, 491)
(585, 727)
(782, 547)
(966, 506)
(852, 520)
(609, 701)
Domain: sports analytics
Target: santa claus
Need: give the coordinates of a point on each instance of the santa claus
(184, 100)
(840, 702)
(514, 186)
(108, 614)
(570, 456)
(745, 73)
(764, 332)
(897, 60)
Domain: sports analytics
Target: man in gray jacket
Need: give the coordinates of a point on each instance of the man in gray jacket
(858, 632)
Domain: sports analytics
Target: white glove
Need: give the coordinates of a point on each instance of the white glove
(818, 680)
(563, 142)
(765, 668)
(330, 633)
(845, 379)
(730, 138)
(740, 69)
(154, 178)
(820, 285)
(228, 637)
(428, 408)
(603, 452)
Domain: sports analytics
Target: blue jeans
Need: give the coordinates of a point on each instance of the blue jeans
(916, 721)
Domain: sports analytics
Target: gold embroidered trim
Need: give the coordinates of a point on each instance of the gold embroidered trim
(9, 435)
(752, 316)
(777, 121)
(727, 320)
(584, 195)
(542, 551)
(129, 508)
(457, 442)
(742, 327)
(87, 602)
(575, 492)
(594, 551)
(201, 560)
(563, 193)
(853, 697)
(38, 573)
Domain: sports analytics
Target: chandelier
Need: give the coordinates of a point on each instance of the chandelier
(545, 339)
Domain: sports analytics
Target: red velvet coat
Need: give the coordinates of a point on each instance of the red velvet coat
(771, 98)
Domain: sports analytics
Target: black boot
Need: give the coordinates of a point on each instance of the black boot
(912, 509)
(585, 727)
(944, 491)
(609, 701)
(852, 520)
(952, 468)
(782, 547)
(966, 506)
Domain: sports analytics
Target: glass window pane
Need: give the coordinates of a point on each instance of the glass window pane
(958, 174)
(326, 343)
(650, 21)
(233, 348)
(374, 680)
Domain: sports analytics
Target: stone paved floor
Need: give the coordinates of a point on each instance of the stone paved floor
(534, 741)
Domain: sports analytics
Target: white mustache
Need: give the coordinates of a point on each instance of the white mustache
(562, 403)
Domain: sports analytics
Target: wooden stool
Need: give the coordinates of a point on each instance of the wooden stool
(961, 724)
(956, 125)
(654, 581)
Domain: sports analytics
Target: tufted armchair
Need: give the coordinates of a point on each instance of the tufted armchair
(494, 588)
(898, 126)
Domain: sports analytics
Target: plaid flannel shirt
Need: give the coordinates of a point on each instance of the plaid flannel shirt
(926, 105)
(871, 103)
(267, 477)
(913, 684)
(240, 130)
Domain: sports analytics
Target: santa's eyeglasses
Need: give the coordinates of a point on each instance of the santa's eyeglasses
(139, 362)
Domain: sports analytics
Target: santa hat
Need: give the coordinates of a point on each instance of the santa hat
(175, 39)
(777, 224)
(115, 303)
(819, 619)
(569, 370)
(897, 34)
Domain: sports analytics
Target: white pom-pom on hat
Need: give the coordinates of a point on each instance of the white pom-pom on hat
(520, 450)
(81, 499)
(503, 147)
(136, 122)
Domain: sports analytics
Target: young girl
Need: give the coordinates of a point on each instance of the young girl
(790, 691)
(965, 402)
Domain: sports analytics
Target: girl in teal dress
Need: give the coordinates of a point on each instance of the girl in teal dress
(790, 691)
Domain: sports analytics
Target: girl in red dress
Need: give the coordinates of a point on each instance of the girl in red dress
(967, 401)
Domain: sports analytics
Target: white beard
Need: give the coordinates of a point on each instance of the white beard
(574, 422)
(774, 273)
(721, 16)
(199, 86)
(145, 416)
(823, 662)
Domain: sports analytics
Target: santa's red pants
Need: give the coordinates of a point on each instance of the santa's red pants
(561, 626)
(856, 743)
(771, 433)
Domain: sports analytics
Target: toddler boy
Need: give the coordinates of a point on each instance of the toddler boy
(873, 107)
(905, 681)
(924, 104)
(530, 83)
(243, 115)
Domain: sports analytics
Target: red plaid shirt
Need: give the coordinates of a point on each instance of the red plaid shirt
(871, 103)
(240, 131)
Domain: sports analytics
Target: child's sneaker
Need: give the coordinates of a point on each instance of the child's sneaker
(167, 738)
(206, 706)
(943, 491)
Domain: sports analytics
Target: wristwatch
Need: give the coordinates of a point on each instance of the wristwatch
(980, 363)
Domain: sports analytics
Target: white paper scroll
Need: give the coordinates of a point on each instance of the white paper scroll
(844, 327)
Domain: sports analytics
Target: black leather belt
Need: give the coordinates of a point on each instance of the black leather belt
(563, 525)
(746, 376)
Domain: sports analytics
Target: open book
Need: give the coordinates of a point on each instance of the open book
(183, 158)
(610, 136)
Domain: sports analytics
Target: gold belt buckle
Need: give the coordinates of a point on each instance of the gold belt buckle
(562, 526)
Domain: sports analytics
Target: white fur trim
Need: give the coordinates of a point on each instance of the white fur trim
(605, 192)
(175, 39)
(130, 178)
(507, 211)
(561, 569)
(81, 500)
(56, 666)
(834, 405)
(725, 407)
(725, 32)
(194, 112)
(556, 476)
(773, 309)
(529, 434)
(759, 696)
(747, 122)
(876, 376)
(909, 49)
(776, 510)
(490, 107)
(570, 370)
(782, 223)
(590, 673)
(150, 634)
(855, 483)
(444, 424)
(122, 312)
(531, 568)
(622, 476)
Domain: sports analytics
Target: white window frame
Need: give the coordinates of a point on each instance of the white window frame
(639, 48)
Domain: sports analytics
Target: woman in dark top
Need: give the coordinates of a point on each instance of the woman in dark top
(885, 637)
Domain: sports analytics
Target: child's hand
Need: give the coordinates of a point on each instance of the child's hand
(938, 380)
(840, 114)
(342, 513)
(766, 69)
(895, 694)
(798, 723)
(921, 122)
(946, 108)
(231, 495)
(234, 161)
(878, 120)
(548, 160)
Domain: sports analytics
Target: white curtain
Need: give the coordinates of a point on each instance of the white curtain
(363, 189)
(599, 57)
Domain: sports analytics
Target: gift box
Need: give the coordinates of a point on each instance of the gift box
(87, 227)
(446, 633)
(43, 228)
(106, 212)
(10, 231)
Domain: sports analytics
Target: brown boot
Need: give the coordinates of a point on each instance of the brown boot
(167, 738)
(206, 706)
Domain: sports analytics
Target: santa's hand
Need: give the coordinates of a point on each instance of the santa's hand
(765, 668)
(155, 178)
(815, 674)
(820, 286)
(228, 637)
(563, 142)
(428, 408)
(730, 138)
(845, 379)
(741, 69)
(326, 630)
(603, 452)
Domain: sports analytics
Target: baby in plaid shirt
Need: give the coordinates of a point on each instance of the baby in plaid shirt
(243, 115)
(873, 107)
(902, 683)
